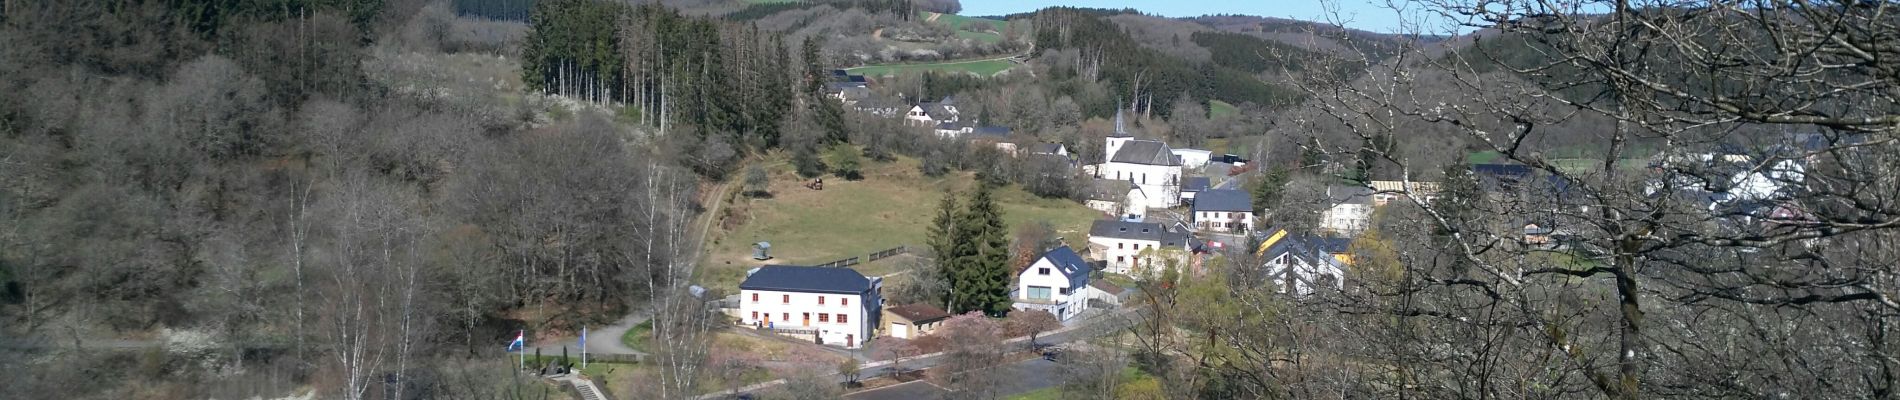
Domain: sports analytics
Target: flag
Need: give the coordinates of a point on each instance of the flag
(520, 340)
(583, 345)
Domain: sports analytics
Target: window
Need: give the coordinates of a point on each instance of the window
(821, 300)
(1063, 291)
(1118, 246)
(1039, 292)
(785, 316)
(841, 318)
(1120, 259)
(1042, 271)
(788, 299)
(755, 297)
(823, 317)
(844, 301)
(755, 315)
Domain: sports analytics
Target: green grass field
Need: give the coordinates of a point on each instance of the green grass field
(984, 68)
(636, 338)
(1217, 109)
(892, 206)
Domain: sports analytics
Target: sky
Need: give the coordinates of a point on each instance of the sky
(1369, 15)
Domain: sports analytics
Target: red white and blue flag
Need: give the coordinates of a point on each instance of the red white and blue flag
(520, 340)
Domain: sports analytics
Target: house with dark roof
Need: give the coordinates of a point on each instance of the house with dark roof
(910, 321)
(1300, 264)
(1107, 196)
(1049, 149)
(1054, 283)
(880, 106)
(1193, 186)
(835, 306)
(1133, 248)
(1223, 210)
(1351, 210)
(931, 113)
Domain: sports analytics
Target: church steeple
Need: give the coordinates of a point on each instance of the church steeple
(1121, 127)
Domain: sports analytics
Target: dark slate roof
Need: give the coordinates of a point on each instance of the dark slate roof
(949, 126)
(1339, 194)
(840, 86)
(855, 78)
(1071, 264)
(1107, 287)
(1146, 152)
(1139, 231)
(1223, 200)
(788, 278)
(919, 313)
(1314, 249)
(1046, 148)
(1110, 190)
(1195, 184)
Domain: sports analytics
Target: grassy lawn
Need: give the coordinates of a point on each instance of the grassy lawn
(1482, 157)
(637, 337)
(983, 68)
(1048, 393)
(1217, 108)
(892, 206)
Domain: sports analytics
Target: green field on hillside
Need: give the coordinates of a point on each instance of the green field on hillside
(1217, 108)
(961, 25)
(984, 68)
(892, 206)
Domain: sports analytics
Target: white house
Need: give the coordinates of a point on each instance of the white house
(1139, 247)
(1057, 282)
(1302, 264)
(1223, 210)
(1054, 149)
(837, 306)
(1191, 158)
(930, 114)
(1107, 195)
(1351, 212)
(953, 129)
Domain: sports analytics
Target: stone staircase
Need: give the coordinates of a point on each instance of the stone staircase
(584, 386)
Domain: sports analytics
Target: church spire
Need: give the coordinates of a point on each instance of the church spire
(1121, 128)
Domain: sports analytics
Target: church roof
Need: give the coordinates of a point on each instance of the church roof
(1145, 152)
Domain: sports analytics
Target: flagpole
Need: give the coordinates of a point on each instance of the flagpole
(523, 336)
(583, 347)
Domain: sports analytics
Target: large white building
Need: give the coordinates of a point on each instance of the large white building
(1139, 248)
(1301, 264)
(1057, 282)
(1150, 165)
(837, 306)
(1223, 210)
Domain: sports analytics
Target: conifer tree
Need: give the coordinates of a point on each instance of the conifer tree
(983, 267)
(943, 240)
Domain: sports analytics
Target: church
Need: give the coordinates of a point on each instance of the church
(1150, 166)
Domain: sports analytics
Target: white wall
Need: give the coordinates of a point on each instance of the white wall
(1222, 221)
(1192, 158)
(1349, 218)
(1120, 255)
(1071, 303)
(1162, 183)
(1308, 274)
(773, 304)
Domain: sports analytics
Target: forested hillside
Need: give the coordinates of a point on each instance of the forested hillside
(229, 187)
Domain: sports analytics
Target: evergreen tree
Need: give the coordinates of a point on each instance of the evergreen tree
(943, 240)
(1268, 191)
(982, 282)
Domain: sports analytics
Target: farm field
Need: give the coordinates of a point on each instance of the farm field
(892, 206)
(983, 68)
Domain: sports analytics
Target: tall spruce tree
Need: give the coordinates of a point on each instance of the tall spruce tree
(943, 241)
(983, 271)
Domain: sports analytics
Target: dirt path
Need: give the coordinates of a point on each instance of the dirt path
(933, 17)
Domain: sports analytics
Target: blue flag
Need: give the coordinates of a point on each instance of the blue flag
(520, 340)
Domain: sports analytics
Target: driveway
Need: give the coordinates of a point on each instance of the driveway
(1020, 377)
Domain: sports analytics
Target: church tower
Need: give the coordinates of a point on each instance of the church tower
(1120, 136)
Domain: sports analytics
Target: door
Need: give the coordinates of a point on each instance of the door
(848, 342)
(807, 321)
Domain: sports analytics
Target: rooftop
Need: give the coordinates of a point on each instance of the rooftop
(1195, 184)
(788, 278)
(918, 313)
(1147, 231)
(1146, 152)
(1225, 200)
(1070, 263)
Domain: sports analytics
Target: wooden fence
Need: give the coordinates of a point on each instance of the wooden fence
(876, 255)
